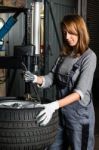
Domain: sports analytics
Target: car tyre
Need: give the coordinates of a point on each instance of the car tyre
(19, 129)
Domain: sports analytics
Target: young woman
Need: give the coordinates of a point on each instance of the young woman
(73, 75)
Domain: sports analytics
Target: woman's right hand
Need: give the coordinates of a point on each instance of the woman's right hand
(30, 77)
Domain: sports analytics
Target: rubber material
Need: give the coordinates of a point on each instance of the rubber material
(20, 131)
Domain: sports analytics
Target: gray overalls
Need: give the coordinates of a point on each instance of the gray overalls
(76, 125)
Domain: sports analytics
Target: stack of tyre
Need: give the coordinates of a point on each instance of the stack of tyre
(19, 129)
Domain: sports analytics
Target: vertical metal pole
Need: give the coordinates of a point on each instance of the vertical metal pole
(25, 13)
(32, 24)
(37, 27)
(36, 34)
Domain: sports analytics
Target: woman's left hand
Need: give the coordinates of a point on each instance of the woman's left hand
(46, 114)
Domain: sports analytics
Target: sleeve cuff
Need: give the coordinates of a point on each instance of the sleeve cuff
(80, 93)
(35, 79)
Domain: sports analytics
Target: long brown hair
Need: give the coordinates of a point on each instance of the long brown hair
(75, 24)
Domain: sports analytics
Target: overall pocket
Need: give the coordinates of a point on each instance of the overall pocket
(82, 114)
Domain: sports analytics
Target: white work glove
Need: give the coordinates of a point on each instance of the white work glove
(46, 114)
(30, 77)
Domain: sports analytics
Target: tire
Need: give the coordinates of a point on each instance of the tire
(19, 129)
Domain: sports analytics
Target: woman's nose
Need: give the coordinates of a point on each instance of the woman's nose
(67, 35)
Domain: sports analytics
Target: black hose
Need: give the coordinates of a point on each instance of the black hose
(32, 84)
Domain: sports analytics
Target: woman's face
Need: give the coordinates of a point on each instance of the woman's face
(71, 38)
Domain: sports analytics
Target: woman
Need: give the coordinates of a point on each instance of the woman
(73, 75)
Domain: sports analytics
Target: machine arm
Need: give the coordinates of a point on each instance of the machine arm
(8, 25)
